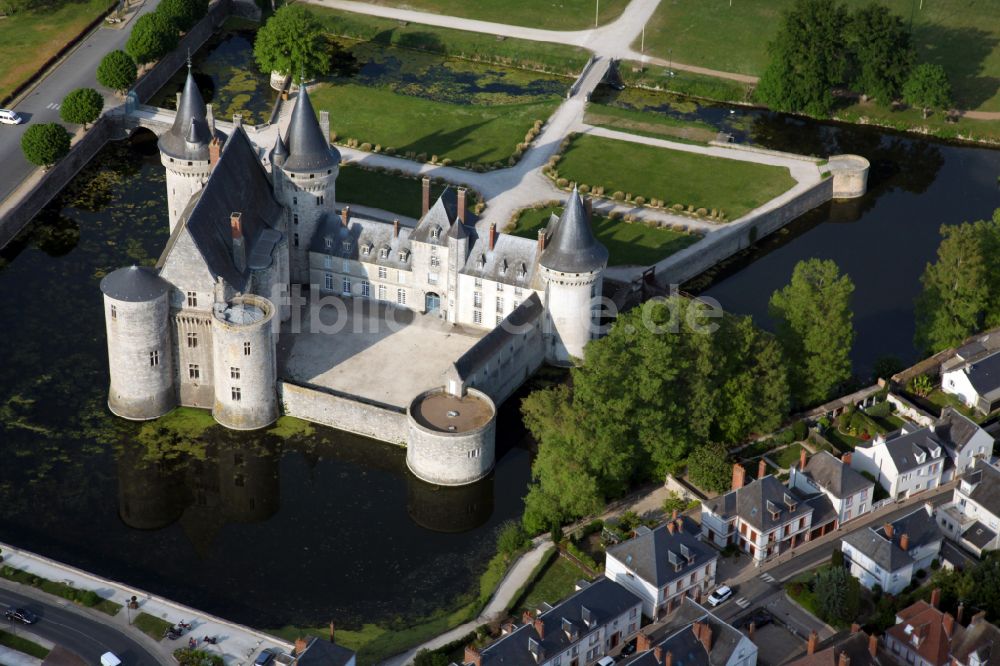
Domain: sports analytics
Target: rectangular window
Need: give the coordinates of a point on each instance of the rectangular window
(246, 348)
(194, 372)
(478, 282)
(477, 299)
(477, 316)
(435, 262)
(366, 289)
(114, 312)
(328, 281)
(319, 200)
(499, 304)
(295, 240)
(345, 266)
(327, 261)
(192, 339)
(381, 292)
(499, 319)
(401, 296)
(192, 299)
(234, 373)
(346, 286)
(295, 218)
(383, 273)
(236, 393)
(154, 358)
(432, 278)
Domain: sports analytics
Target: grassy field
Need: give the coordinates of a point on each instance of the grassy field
(87, 598)
(28, 39)
(550, 14)
(676, 177)
(628, 243)
(23, 645)
(154, 627)
(460, 132)
(961, 35)
(649, 124)
(556, 581)
(397, 194)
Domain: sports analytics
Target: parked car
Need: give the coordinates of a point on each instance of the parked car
(265, 658)
(722, 593)
(629, 648)
(9, 117)
(605, 661)
(22, 615)
(109, 659)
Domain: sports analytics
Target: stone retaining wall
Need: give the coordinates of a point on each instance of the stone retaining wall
(343, 413)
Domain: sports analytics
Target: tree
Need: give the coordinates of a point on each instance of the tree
(82, 106)
(808, 57)
(511, 538)
(117, 71)
(674, 502)
(292, 42)
(881, 52)
(153, 36)
(708, 468)
(45, 144)
(815, 329)
(183, 14)
(837, 595)
(887, 366)
(928, 88)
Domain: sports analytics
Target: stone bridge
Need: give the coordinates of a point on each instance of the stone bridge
(158, 120)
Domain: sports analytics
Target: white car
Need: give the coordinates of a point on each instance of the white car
(8, 117)
(109, 659)
(721, 593)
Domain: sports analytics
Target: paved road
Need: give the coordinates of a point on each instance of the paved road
(41, 104)
(74, 630)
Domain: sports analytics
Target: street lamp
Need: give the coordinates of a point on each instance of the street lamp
(597, 14)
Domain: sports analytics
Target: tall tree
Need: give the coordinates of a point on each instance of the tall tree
(292, 43)
(928, 88)
(837, 595)
(815, 328)
(808, 58)
(153, 36)
(45, 144)
(709, 469)
(82, 106)
(183, 14)
(117, 71)
(881, 51)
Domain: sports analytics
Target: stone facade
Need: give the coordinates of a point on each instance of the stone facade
(451, 457)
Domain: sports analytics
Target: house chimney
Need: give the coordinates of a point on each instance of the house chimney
(706, 637)
(844, 659)
(873, 645)
(642, 642)
(751, 630)
(977, 618)
(214, 150)
(668, 659)
(345, 215)
(846, 458)
(333, 632)
(540, 628)
(739, 476)
(541, 240)
(461, 205)
(948, 624)
(300, 646)
(588, 205)
(237, 120)
(658, 654)
(239, 246)
(811, 643)
(493, 235)
(395, 228)
(472, 656)
(960, 612)
(935, 596)
(425, 204)
(761, 468)
(673, 515)
(904, 542)
(855, 628)
(526, 617)
(888, 531)
(802, 459)
(671, 526)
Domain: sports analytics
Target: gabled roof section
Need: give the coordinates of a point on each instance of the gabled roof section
(856, 646)
(189, 136)
(923, 631)
(571, 247)
(324, 653)
(648, 554)
(919, 528)
(983, 484)
(955, 428)
(516, 323)
(910, 450)
(438, 224)
(681, 637)
(836, 477)
(762, 504)
(364, 240)
(308, 149)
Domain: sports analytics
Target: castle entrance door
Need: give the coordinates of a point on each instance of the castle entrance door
(432, 302)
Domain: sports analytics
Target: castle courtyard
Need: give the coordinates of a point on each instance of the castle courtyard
(371, 350)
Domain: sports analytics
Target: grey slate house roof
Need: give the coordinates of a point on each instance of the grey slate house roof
(765, 504)
(906, 448)
(136, 284)
(678, 638)
(954, 429)
(577, 616)
(238, 183)
(324, 653)
(985, 481)
(189, 136)
(435, 227)
(308, 149)
(368, 241)
(485, 348)
(659, 557)
(833, 475)
(571, 247)
(919, 527)
(980, 638)
(979, 535)
(512, 260)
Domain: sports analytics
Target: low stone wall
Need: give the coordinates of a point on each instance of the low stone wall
(362, 418)
(742, 147)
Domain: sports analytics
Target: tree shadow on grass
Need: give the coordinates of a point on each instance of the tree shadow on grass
(962, 52)
(444, 143)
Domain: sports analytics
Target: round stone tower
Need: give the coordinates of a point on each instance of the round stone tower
(850, 176)
(451, 439)
(572, 268)
(244, 363)
(304, 173)
(136, 314)
(186, 149)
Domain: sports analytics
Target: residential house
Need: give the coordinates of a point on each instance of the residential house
(904, 462)
(972, 518)
(974, 645)
(764, 518)
(849, 492)
(854, 649)
(923, 635)
(318, 652)
(974, 378)
(577, 631)
(693, 636)
(664, 565)
(890, 555)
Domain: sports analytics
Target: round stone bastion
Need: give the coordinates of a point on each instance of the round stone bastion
(850, 176)
(450, 438)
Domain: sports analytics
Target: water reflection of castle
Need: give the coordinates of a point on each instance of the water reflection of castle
(238, 481)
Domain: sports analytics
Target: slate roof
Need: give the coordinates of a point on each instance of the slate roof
(904, 448)
(324, 653)
(984, 375)
(754, 501)
(135, 284)
(368, 241)
(925, 622)
(649, 554)
(571, 247)
(678, 638)
(981, 638)
(189, 136)
(238, 183)
(601, 601)
(920, 528)
(985, 479)
(955, 428)
(512, 261)
(979, 535)
(486, 347)
(833, 475)
(308, 149)
(441, 217)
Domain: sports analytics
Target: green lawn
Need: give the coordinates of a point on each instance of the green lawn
(28, 39)
(787, 456)
(649, 124)
(556, 581)
(961, 35)
(674, 176)
(397, 194)
(459, 132)
(87, 598)
(23, 645)
(628, 243)
(680, 82)
(550, 14)
(152, 626)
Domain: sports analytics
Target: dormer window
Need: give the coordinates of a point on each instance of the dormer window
(503, 267)
(404, 255)
(346, 245)
(481, 261)
(384, 252)
(522, 270)
(436, 233)
(366, 249)
(328, 242)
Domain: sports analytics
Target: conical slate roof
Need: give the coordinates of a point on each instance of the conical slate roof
(308, 149)
(190, 135)
(135, 284)
(571, 246)
(280, 151)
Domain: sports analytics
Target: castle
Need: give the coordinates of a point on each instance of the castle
(249, 226)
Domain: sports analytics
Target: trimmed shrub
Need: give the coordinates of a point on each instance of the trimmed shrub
(618, 195)
(640, 201)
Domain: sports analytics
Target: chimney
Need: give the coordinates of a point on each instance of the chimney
(904, 541)
(493, 235)
(844, 659)
(977, 618)
(706, 637)
(239, 246)
(588, 205)
(739, 476)
(811, 644)
(333, 632)
(425, 204)
(214, 150)
(541, 240)
(461, 205)
(671, 526)
(668, 659)
(324, 124)
(345, 215)
(846, 458)
(472, 656)
(855, 628)
(395, 228)
(237, 120)
(873, 645)
(540, 628)
(948, 623)
(960, 612)
(658, 654)
(802, 459)
(751, 630)
(762, 468)
(642, 642)
(300, 646)
(887, 528)
(935, 596)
